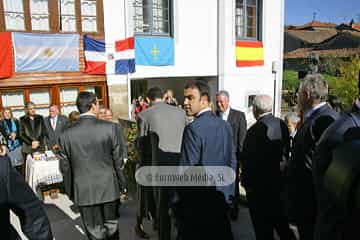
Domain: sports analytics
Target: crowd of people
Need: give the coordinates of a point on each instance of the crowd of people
(282, 164)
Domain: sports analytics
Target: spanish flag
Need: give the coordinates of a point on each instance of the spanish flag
(249, 53)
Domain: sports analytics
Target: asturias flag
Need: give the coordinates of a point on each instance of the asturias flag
(46, 52)
(6, 55)
(109, 58)
(249, 54)
(154, 51)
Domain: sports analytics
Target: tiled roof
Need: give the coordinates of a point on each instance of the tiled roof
(314, 24)
(312, 36)
(356, 26)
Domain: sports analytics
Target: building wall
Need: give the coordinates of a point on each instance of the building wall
(204, 33)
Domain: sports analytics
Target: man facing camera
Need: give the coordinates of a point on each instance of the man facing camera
(237, 121)
(55, 125)
(91, 161)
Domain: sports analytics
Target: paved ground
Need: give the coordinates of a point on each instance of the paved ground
(66, 223)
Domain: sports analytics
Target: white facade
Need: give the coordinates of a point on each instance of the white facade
(204, 33)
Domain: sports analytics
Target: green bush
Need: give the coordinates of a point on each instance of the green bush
(130, 167)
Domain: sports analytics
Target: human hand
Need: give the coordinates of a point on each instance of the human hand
(3, 150)
(35, 144)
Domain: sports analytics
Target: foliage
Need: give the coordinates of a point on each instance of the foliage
(130, 167)
(346, 88)
(291, 81)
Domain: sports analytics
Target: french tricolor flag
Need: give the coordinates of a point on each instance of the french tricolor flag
(104, 58)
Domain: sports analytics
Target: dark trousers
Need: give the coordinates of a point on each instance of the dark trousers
(101, 220)
(202, 214)
(163, 219)
(267, 215)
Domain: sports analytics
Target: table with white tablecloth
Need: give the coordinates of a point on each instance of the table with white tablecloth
(42, 172)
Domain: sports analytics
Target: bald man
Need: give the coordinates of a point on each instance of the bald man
(55, 124)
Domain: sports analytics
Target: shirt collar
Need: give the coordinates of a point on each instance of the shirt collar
(264, 114)
(357, 103)
(227, 112)
(202, 111)
(311, 111)
(87, 114)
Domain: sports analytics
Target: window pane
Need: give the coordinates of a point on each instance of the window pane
(40, 97)
(142, 16)
(68, 100)
(251, 32)
(12, 99)
(239, 20)
(95, 89)
(68, 94)
(67, 15)
(160, 16)
(39, 15)
(14, 14)
(251, 3)
(15, 100)
(88, 13)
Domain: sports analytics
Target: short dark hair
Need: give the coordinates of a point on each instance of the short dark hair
(154, 93)
(84, 101)
(202, 86)
(28, 104)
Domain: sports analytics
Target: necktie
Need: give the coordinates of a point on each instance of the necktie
(53, 123)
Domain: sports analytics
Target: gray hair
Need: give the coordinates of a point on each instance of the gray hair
(223, 93)
(291, 117)
(262, 104)
(316, 84)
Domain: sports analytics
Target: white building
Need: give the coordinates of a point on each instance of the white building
(205, 34)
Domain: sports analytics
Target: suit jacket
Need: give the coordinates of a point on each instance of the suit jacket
(53, 135)
(91, 161)
(301, 162)
(28, 135)
(207, 141)
(332, 222)
(237, 121)
(16, 195)
(159, 142)
(265, 145)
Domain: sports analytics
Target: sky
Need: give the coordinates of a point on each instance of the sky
(298, 12)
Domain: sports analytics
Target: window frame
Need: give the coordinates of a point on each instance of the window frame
(151, 21)
(259, 17)
(55, 18)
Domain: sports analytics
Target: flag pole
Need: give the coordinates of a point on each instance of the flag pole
(128, 80)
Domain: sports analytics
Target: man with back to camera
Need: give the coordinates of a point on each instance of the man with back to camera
(265, 147)
(201, 212)
(333, 222)
(161, 127)
(91, 161)
(238, 125)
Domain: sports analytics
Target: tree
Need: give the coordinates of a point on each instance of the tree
(346, 86)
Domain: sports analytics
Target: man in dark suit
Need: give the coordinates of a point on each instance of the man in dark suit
(318, 116)
(33, 132)
(91, 161)
(207, 141)
(55, 124)
(333, 222)
(161, 127)
(265, 146)
(238, 125)
(17, 196)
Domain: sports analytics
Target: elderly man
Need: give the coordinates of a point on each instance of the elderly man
(264, 148)
(207, 141)
(318, 116)
(55, 125)
(237, 121)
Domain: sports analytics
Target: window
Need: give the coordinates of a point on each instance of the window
(14, 14)
(15, 101)
(52, 15)
(247, 19)
(39, 15)
(68, 100)
(41, 98)
(152, 17)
